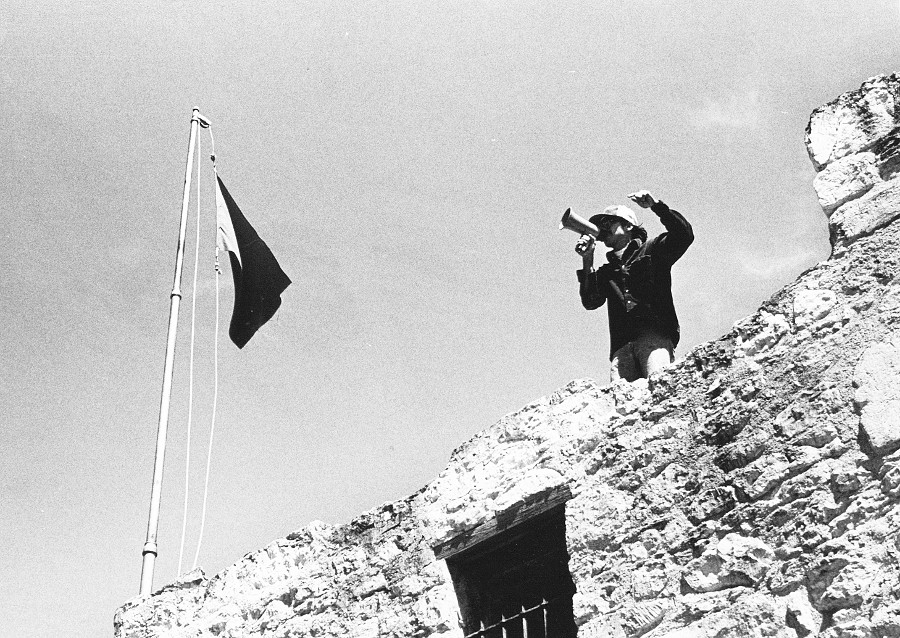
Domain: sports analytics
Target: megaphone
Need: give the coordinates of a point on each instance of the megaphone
(578, 224)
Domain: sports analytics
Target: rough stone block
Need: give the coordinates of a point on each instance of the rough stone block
(840, 582)
(860, 217)
(771, 329)
(710, 503)
(886, 621)
(846, 179)
(750, 615)
(801, 616)
(851, 628)
(812, 305)
(880, 426)
(738, 454)
(877, 397)
(887, 154)
(890, 479)
(637, 619)
(772, 471)
(853, 121)
(735, 561)
(877, 374)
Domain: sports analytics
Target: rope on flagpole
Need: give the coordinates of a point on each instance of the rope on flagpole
(187, 462)
(212, 427)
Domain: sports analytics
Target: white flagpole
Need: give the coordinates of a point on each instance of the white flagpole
(150, 548)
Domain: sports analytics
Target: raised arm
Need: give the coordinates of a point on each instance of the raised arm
(672, 244)
(678, 236)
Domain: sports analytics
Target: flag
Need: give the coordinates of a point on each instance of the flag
(258, 279)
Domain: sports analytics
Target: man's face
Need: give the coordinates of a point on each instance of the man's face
(613, 232)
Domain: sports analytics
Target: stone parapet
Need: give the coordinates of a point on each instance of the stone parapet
(854, 144)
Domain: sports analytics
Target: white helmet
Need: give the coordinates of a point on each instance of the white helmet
(622, 212)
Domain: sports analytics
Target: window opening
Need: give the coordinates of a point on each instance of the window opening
(511, 575)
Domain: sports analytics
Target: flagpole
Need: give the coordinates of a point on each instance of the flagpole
(150, 547)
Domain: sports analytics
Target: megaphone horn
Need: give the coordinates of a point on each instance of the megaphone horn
(578, 224)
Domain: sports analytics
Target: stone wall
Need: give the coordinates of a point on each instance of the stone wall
(854, 143)
(752, 489)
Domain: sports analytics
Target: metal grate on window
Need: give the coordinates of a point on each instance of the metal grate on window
(524, 624)
(511, 573)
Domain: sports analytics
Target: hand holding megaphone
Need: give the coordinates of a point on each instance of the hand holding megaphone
(585, 245)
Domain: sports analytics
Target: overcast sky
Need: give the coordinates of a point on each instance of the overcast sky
(408, 163)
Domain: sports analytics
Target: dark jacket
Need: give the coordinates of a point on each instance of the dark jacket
(639, 286)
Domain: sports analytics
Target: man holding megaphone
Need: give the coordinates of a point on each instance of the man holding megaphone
(635, 283)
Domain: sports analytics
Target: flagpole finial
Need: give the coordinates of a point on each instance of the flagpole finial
(200, 118)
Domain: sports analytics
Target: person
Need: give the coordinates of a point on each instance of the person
(635, 284)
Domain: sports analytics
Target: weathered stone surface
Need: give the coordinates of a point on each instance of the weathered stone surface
(801, 616)
(849, 628)
(751, 489)
(887, 154)
(751, 615)
(877, 208)
(637, 619)
(854, 143)
(846, 179)
(890, 479)
(877, 397)
(811, 306)
(880, 425)
(886, 621)
(755, 342)
(876, 374)
(841, 582)
(854, 121)
(735, 561)
(710, 503)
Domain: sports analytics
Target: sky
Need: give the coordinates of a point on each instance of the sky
(407, 162)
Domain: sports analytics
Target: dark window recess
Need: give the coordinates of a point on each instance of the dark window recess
(512, 577)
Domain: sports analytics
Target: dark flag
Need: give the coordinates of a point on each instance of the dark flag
(258, 279)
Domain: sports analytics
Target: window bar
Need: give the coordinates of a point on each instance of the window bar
(544, 605)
